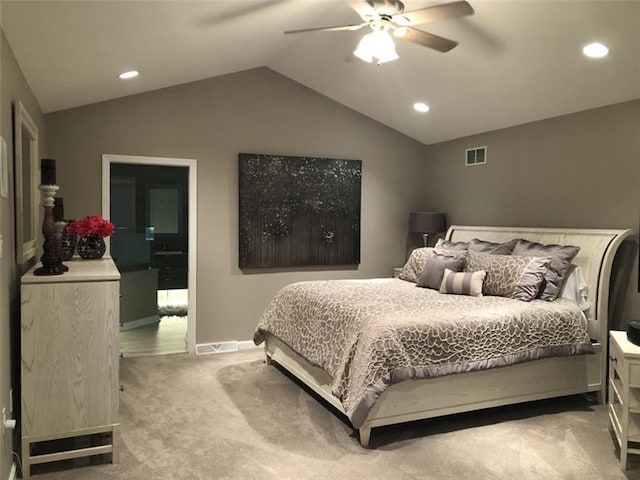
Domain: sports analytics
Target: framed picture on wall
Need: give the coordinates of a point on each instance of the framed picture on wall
(298, 211)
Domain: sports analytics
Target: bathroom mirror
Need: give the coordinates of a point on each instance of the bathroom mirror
(25, 147)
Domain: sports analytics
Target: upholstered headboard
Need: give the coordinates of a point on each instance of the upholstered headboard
(597, 251)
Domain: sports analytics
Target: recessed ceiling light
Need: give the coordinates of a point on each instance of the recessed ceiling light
(421, 107)
(129, 74)
(595, 50)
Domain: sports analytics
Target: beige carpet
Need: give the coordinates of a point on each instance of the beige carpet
(229, 416)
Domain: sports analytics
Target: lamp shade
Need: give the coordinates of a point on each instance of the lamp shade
(426, 222)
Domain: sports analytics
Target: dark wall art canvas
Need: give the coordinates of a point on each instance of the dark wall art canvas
(297, 211)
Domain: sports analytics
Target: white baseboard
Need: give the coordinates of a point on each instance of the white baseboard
(224, 347)
(246, 345)
(13, 474)
(140, 322)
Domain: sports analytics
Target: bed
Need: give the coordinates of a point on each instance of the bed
(406, 394)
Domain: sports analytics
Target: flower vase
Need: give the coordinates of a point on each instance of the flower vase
(91, 247)
(68, 243)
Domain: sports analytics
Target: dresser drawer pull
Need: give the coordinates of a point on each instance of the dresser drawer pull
(613, 359)
(122, 388)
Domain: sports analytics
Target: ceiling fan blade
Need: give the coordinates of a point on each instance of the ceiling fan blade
(431, 14)
(339, 28)
(365, 10)
(426, 39)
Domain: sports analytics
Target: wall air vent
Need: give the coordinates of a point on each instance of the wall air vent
(476, 156)
(224, 347)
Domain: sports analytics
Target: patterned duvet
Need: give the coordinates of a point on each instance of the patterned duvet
(368, 334)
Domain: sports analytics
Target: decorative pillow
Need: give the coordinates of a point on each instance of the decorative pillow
(431, 276)
(509, 276)
(477, 245)
(452, 245)
(414, 266)
(463, 283)
(561, 257)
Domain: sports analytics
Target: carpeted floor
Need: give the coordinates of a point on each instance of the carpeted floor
(229, 416)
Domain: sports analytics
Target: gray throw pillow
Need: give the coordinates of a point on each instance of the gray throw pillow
(558, 269)
(431, 276)
(509, 276)
(477, 245)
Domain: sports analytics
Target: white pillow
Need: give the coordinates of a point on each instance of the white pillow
(575, 288)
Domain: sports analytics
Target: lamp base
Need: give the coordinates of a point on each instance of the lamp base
(425, 238)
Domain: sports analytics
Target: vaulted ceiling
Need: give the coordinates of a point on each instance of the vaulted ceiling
(516, 62)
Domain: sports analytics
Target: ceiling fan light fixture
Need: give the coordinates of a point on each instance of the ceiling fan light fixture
(377, 44)
(400, 32)
(364, 50)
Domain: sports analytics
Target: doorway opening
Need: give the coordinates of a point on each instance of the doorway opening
(152, 203)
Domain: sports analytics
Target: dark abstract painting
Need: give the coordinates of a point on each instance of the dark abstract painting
(297, 211)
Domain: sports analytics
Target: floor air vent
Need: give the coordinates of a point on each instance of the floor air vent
(476, 156)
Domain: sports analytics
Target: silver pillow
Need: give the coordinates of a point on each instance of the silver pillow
(431, 276)
(509, 276)
(452, 245)
(561, 257)
(477, 245)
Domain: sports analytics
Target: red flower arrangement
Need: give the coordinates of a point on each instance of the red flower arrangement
(91, 225)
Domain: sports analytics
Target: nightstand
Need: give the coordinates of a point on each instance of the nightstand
(624, 394)
(396, 272)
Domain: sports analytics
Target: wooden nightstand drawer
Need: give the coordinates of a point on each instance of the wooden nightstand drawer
(624, 394)
(634, 375)
(630, 374)
(616, 358)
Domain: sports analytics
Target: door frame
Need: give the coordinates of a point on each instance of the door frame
(191, 164)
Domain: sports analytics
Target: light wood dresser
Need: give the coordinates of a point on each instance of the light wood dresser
(69, 363)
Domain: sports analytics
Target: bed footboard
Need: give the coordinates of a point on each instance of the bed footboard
(434, 397)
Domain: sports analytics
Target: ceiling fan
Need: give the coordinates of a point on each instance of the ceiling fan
(386, 17)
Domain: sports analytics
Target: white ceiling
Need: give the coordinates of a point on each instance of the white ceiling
(518, 61)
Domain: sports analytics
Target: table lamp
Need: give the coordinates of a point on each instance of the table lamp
(426, 223)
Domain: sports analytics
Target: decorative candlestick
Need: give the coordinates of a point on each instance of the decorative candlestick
(47, 171)
(51, 258)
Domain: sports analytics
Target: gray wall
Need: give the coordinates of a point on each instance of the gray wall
(256, 111)
(580, 170)
(13, 88)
